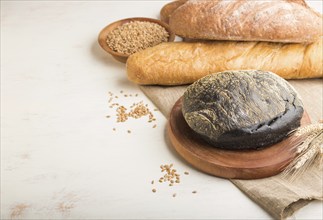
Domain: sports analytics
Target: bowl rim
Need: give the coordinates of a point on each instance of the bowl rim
(104, 32)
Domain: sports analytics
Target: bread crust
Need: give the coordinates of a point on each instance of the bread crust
(169, 8)
(290, 21)
(177, 63)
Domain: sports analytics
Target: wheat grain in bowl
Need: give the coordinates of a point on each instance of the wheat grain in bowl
(125, 37)
(135, 36)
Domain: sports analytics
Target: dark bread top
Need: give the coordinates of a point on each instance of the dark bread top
(242, 109)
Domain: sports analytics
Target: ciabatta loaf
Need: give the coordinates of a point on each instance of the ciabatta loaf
(176, 63)
(290, 21)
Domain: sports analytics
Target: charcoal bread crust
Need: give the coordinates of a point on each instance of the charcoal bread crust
(246, 109)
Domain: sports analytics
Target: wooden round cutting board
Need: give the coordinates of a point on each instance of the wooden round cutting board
(251, 164)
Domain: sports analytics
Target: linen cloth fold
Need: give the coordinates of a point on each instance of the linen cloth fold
(281, 198)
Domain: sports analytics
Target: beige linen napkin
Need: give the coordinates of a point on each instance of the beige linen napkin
(278, 196)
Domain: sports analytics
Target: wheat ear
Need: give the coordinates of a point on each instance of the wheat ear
(308, 141)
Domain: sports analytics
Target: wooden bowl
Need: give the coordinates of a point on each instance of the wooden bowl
(120, 56)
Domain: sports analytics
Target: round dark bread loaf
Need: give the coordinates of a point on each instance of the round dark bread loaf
(246, 109)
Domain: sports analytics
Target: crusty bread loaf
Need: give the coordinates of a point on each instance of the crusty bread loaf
(177, 63)
(169, 8)
(290, 21)
(241, 110)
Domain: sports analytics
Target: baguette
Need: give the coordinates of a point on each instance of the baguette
(177, 63)
(288, 21)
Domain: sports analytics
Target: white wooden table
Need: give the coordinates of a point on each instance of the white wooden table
(60, 157)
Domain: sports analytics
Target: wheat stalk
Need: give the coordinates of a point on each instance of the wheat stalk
(312, 128)
(309, 148)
